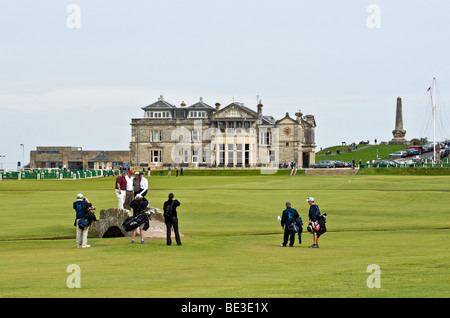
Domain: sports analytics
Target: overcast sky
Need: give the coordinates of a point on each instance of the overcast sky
(75, 75)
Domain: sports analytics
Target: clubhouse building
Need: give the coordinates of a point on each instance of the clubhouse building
(200, 135)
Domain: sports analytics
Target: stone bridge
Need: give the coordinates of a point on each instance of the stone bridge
(109, 224)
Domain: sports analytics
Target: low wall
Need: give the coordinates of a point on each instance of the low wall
(331, 172)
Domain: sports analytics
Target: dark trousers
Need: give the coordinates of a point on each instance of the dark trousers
(172, 222)
(291, 237)
(288, 235)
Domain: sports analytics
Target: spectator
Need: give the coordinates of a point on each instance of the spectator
(121, 188)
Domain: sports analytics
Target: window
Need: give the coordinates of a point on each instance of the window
(155, 135)
(230, 154)
(197, 114)
(247, 154)
(196, 137)
(221, 154)
(155, 156)
(165, 114)
(271, 156)
(239, 154)
(195, 156)
(265, 138)
(186, 156)
(233, 113)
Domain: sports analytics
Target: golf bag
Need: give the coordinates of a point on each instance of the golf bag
(83, 223)
(296, 226)
(133, 222)
(89, 217)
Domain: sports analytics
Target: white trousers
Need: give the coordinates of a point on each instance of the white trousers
(121, 198)
(82, 235)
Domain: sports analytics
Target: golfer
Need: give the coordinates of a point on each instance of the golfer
(171, 219)
(317, 221)
(81, 207)
(290, 216)
(139, 204)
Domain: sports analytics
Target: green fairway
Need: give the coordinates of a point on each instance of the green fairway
(232, 239)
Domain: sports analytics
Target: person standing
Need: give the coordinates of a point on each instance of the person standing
(129, 191)
(171, 219)
(81, 206)
(121, 188)
(290, 216)
(136, 183)
(139, 204)
(314, 218)
(143, 184)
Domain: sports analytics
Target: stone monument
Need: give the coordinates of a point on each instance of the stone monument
(399, 133)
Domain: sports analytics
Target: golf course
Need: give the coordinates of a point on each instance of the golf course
(231, 244)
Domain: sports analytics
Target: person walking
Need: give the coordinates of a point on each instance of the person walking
(81, 206)
(290, 217)
(129, 191)
(139, 204)
(171, 219)
(316, 221)
(121, 188)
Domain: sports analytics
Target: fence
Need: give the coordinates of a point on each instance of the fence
(407, 165)
(55, 174)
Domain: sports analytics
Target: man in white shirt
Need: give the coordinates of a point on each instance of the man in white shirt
(144, 184)
(129, 192)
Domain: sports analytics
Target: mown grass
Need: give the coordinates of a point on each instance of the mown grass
(231, 245)
(363, 152)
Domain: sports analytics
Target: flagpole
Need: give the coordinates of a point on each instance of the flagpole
(434, 117)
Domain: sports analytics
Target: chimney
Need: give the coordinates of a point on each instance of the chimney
(183, 104)
(161, 97)
(217, 107)
(260, 106)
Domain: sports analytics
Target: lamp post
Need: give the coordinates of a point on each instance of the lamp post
(1, 157)
(23, 155)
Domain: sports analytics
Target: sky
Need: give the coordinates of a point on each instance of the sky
(74, 73)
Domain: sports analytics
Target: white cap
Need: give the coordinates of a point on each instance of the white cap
(310, 199)
(80, 195)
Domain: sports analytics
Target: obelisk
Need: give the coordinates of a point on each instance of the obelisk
(399, 133)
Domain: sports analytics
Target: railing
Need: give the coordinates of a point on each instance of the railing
(55, 174)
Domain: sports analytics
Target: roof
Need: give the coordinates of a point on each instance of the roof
(268, 120)
(200, 105)
(102, 156)
(159, 105)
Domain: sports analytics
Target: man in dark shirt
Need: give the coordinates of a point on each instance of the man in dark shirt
(314, 219)
(139, 204)
(171, 219)
(289, 216)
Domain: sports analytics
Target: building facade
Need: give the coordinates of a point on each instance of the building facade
(200, 135)
(75, 158)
